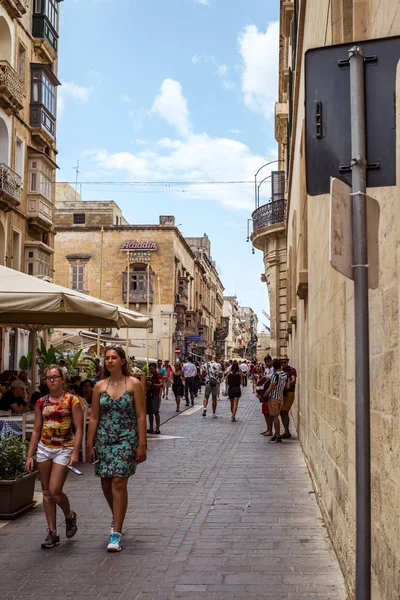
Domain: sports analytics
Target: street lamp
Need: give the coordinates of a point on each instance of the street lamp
(255, 177)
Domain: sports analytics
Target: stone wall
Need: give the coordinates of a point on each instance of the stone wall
(321, 341)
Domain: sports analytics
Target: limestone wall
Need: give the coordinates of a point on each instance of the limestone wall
(321, 341)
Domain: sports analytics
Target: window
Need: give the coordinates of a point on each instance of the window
(41, 178)
(16, 250)
(138, 284)
(20, 156)
(79, 218)
(78, 277)
(43, 97)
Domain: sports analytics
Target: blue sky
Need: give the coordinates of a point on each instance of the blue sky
(174, 91)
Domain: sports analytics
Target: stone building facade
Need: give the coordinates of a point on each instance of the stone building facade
(318, 303)
(28, 104)
(167, 276)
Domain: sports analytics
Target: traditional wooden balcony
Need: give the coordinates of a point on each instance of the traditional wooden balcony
(10, 188)
(268, 219)
(15, 8)
(11, 88)
(39, 212)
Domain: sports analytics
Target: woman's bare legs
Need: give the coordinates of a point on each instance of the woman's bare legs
(119, 487)
(50, 508)
(107, 491)
(234, 408)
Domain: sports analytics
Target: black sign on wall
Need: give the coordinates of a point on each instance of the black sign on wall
(328, 132)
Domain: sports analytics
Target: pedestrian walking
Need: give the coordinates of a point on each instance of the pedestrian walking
(233, 381)
(190, 372)
(178, 385)
(274, 394)
(56, 449)
(212, 370)
(153, 397)
(244, 367)
(197, 380)
(169, 370)
(117, 435)
(288, 397)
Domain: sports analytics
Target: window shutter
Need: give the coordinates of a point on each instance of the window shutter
(278, 185)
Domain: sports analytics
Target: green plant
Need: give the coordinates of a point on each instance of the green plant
(13, 451)
(71, 360)
(46, 357)
(25, 362)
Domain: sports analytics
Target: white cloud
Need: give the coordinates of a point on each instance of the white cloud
(222, 70)
(260, 54)
(171, 106)
(203, 2)
(194, 158)
(125, 98)
(69, 90)
(235, 131)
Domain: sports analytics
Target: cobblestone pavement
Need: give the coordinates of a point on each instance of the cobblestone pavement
(216, 512)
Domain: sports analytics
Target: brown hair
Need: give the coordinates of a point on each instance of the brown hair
(121, 353)
(58, 368)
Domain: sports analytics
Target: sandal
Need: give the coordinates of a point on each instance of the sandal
(149, 431)
(268, 434)
(157, 431)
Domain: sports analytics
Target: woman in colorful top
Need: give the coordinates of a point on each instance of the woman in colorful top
(57, 448)
(117, 435)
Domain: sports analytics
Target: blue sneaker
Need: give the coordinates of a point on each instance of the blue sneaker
(114, 545)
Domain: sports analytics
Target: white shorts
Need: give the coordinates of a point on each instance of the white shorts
(60, 456)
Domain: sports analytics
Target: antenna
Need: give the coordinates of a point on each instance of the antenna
(77, 171)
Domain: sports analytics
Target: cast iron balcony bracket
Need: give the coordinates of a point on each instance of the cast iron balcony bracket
(269, 214)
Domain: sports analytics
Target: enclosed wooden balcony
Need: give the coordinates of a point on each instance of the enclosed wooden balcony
(11, 88)
(10, 187)
(39, 212)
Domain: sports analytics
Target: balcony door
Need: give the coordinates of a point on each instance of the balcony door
(4, 143)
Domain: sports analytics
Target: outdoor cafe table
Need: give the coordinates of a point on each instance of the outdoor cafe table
(11, 424)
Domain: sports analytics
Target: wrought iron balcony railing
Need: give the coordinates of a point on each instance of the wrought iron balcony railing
(11, 88)
(10, 186)
(269, 214)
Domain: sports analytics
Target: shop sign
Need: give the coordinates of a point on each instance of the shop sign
(132, 245)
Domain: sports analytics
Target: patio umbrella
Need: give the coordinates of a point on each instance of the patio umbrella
(31, 303)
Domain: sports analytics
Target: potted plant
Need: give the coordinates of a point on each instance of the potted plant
(16, 485)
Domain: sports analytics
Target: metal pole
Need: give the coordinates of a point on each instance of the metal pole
(128, 291)
(360, 274)
(148, 314)
(100, 285)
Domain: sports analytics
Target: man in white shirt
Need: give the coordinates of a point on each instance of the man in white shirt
(213, 375)
(244, 367)
(190, 372)
(269, 369)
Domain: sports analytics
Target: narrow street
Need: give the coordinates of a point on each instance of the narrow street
(216, 512)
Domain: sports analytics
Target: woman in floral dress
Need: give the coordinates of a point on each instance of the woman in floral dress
(117, 435)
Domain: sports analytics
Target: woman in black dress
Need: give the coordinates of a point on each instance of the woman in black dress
(233, 381)
(178, 386)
